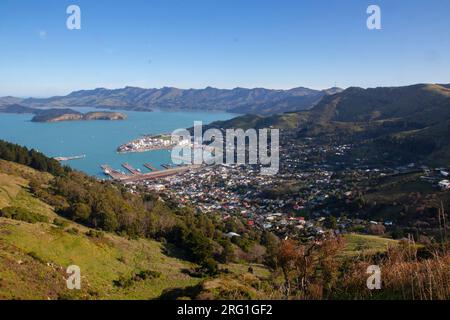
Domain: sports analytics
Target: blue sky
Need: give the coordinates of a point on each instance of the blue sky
(220, 43)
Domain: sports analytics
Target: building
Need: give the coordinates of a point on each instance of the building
(444, 184)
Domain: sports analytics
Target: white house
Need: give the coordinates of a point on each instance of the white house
(444, 184)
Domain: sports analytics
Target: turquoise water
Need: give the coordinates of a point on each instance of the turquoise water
(98, 140)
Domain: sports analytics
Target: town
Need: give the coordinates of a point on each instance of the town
(147, 143)
(307, 198)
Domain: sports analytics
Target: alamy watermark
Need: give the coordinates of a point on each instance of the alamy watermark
(73, 22)
(239, 147)
(374, 280)
(73, 280)
(374, 20)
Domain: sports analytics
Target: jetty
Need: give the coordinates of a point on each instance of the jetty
(130, 168)
(139, 176)
(114, 174)
(150, 167)
(158, 174)
(70, 158)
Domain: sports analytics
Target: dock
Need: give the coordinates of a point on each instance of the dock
(70, 158)
(150, 167)
(139, 176)
(130, 168)
(114, 174)
(158, 174)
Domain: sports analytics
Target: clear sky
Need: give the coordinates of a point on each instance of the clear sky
(220, 43)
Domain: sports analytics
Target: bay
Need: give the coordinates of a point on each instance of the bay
(98, 140)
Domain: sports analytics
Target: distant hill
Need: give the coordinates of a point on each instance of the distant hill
(296, 101)
(239, 100)
(16, 108)
(413, 121)
(5, 101)
(57, 115)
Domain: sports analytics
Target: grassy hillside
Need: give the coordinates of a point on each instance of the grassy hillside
(34, 257)
(365, 245)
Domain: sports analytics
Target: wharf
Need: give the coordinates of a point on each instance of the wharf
(150, 167)
(130, 168)
(114, 174)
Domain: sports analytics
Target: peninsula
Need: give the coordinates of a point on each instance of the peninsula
(58, 115)
(61, 114)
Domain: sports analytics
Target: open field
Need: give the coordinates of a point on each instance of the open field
(359, 244)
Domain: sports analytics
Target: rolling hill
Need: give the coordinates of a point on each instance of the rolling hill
(412, 120)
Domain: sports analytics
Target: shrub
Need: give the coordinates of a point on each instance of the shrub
(22, 214)
(209, 266)
(73, 231)
(377, 230)
(60, 223)
(126, 282)
(36, 257)
(95, 234)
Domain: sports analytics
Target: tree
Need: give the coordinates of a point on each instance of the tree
(330, 223)
(376, 229)
(81, 212)
(271, 242)
(227, 254)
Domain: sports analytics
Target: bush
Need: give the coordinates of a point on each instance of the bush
(95, 234)
(22, 214)
(73, 231)
(36, 257)
(209, 266)
(60, 223)
(126, 282)
(376, 230)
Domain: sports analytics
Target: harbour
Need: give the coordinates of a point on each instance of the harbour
(98, 140)
(135, 175)
(150, 167)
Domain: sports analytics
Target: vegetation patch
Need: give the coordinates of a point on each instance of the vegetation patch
(22, 214)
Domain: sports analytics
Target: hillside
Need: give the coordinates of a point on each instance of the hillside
(239, 100)
(58, 115)
(412, 121)
(34, 256)
(130, 245)
(37, 244)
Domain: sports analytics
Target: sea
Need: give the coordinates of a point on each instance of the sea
(99, 139)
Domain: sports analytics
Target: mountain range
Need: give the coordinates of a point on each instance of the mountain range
(238, 100)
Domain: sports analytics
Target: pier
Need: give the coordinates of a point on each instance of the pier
(114, 174)
(158, 174)
(70, 158)
(135, 177)
(150, 167)
(131, 169)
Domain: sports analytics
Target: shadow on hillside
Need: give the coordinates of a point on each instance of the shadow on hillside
(181, 293)
(173, 251)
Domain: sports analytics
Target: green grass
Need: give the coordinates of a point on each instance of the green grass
(34, 257)
(9, 188)
(101, 261)
(359, 244)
